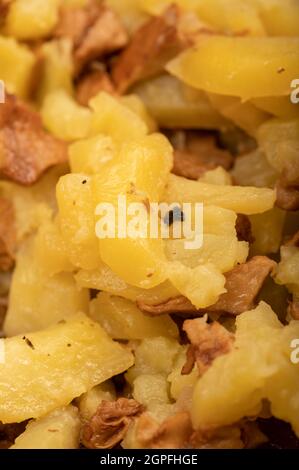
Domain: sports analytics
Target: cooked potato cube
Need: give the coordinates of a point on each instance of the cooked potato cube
(31, 19)
(259, 367)
(48, 369)
(16, 67)
(267, 230)
(57, 68)
(112, 118)
(58, 430)
(64, 118)
(89, 155)
(122, 319)
(38, 299)
(244, 200)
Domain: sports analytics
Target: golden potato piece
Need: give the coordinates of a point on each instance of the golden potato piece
(58, 430)
(48, 369)
(258, 367)
(240, 66)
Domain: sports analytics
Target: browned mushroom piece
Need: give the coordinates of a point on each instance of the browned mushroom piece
(287, 195)
(152, 46)
(91, 84)
(110, 423)
(95, 31)
(207, 342)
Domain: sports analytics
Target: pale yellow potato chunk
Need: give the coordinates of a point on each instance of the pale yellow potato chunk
(288, 269)
(233, 16)
(259, 367)
(58, 430)
(77, 220)
(245, 67)
(122, 319)
(43, 372)
(135, 104)
(154, 356)
(217, 176)
(243, 114)
(64, 117)
(16, 66)
(244, 200)
(113, 118)
(224, 252)
(89, 155)
(90, 401)
(106, 280)
(57, 69)
(32, 19)
(38, 299)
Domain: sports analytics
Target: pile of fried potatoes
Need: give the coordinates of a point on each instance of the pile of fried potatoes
(136, 341)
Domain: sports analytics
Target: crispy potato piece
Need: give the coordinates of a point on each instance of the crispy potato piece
(109, 425)
(243, 200)
(12, 53)
(91, 84)
(239, 66)
(58, 430)
(26, 150)
(7, 235)
(48, 369)
(151, 47)
(242, 285)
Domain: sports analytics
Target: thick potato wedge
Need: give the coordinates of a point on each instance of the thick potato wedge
(241, 66)
(48, 369)
(244, 200)
(58, 430)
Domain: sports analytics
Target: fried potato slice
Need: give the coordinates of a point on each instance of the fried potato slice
(48, 369)
(240, 66)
